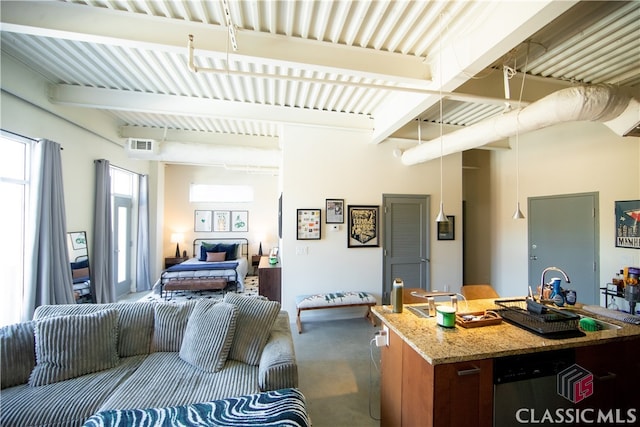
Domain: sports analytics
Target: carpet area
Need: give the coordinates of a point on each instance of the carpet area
(250, 289)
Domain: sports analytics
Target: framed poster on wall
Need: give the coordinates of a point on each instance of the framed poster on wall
(447, 230)
(239, 220)
(363, 226)
(202, 221)
(308, 224)
(221, 221)
(627, 224)
(335, 211)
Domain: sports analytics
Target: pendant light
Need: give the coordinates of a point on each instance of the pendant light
(517, 214)
(441, 215)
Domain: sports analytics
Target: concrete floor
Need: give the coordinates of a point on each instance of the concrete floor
(336, 373)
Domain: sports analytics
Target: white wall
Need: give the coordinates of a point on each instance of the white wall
(320, 164)
(570, 158)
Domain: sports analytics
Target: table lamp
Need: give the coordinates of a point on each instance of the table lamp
(177, 238)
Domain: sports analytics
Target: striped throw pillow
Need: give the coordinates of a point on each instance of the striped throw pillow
(209, 334)
(71, 346)
(255, 320)
(169, 325)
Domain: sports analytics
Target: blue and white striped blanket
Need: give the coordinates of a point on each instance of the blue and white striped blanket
(284, 407)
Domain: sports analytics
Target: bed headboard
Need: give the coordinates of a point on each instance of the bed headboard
(243, 245)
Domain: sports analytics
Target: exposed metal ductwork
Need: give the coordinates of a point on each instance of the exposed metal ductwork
(607, 104)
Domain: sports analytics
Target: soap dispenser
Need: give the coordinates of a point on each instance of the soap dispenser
(556, 292)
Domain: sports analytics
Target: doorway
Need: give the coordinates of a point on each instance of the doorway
(563, 232)
(122, 244)
(406, 242)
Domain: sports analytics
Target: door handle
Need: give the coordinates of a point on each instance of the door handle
(425, 260)
(533, 257)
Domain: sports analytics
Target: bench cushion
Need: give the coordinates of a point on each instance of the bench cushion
(334, 299)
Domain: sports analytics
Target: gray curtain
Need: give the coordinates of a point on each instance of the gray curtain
(143, 271)
(103, 284)
(48, 279)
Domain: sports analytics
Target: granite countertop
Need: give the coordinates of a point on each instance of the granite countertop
(439, 345)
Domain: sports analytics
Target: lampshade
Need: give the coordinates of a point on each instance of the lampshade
(177, 237)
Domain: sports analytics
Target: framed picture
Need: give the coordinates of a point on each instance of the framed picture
(239, 220)
(309, 221)
(363, 226)
(78, 240)
(335, 211)
(202, 221)
(447, 230)
(221, 221)
(627, 218)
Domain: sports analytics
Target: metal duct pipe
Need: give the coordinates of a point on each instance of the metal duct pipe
(600, 103)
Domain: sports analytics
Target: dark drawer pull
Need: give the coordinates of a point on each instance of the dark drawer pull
(472, 371)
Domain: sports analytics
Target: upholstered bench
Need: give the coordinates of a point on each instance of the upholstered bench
(335, 300)
(186, 284)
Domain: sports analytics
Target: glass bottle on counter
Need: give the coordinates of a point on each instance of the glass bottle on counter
(396, 295)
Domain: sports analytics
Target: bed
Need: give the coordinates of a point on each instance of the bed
(216, 264)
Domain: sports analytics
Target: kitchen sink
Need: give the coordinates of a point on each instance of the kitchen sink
(602, 325)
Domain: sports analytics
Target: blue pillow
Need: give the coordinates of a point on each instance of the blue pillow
(208, 247)
(229, 249)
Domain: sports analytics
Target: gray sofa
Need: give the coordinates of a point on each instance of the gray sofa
(73, 361)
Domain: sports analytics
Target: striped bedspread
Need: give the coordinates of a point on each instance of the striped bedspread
(284, 407)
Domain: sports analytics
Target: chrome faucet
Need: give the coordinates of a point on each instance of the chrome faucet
(566, 278)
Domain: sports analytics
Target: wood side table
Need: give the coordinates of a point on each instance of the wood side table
(269, 278)
(168, 262)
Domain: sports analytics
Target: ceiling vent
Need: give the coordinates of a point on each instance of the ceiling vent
(141, 146)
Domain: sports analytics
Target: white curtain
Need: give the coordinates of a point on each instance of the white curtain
(103, 284)
(143, 271)
(48, 276)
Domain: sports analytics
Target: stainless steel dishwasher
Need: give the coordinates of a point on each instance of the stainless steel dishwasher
(525, 387)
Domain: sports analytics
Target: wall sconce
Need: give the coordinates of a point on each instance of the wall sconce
(177, 238)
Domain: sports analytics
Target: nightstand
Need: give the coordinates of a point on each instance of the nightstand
(168, 262)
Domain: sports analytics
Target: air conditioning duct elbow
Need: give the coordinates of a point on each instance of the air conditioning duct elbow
(602, 103)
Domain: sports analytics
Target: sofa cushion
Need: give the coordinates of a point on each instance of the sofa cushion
(71, 346)
(17, 353)
(65, 403)
(255, 319)
(209, 335)
(168, 380)
(170, 323)
(135, 322)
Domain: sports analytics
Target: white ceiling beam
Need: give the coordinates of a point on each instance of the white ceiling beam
(465, 54)
(198, 137)
(100, 25)
(111, 99)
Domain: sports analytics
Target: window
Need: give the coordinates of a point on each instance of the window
(14, 193)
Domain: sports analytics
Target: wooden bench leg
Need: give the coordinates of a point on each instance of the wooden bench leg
(298, 322)
(370, 316)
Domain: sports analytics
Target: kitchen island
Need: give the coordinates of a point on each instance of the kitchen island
(436, 376)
